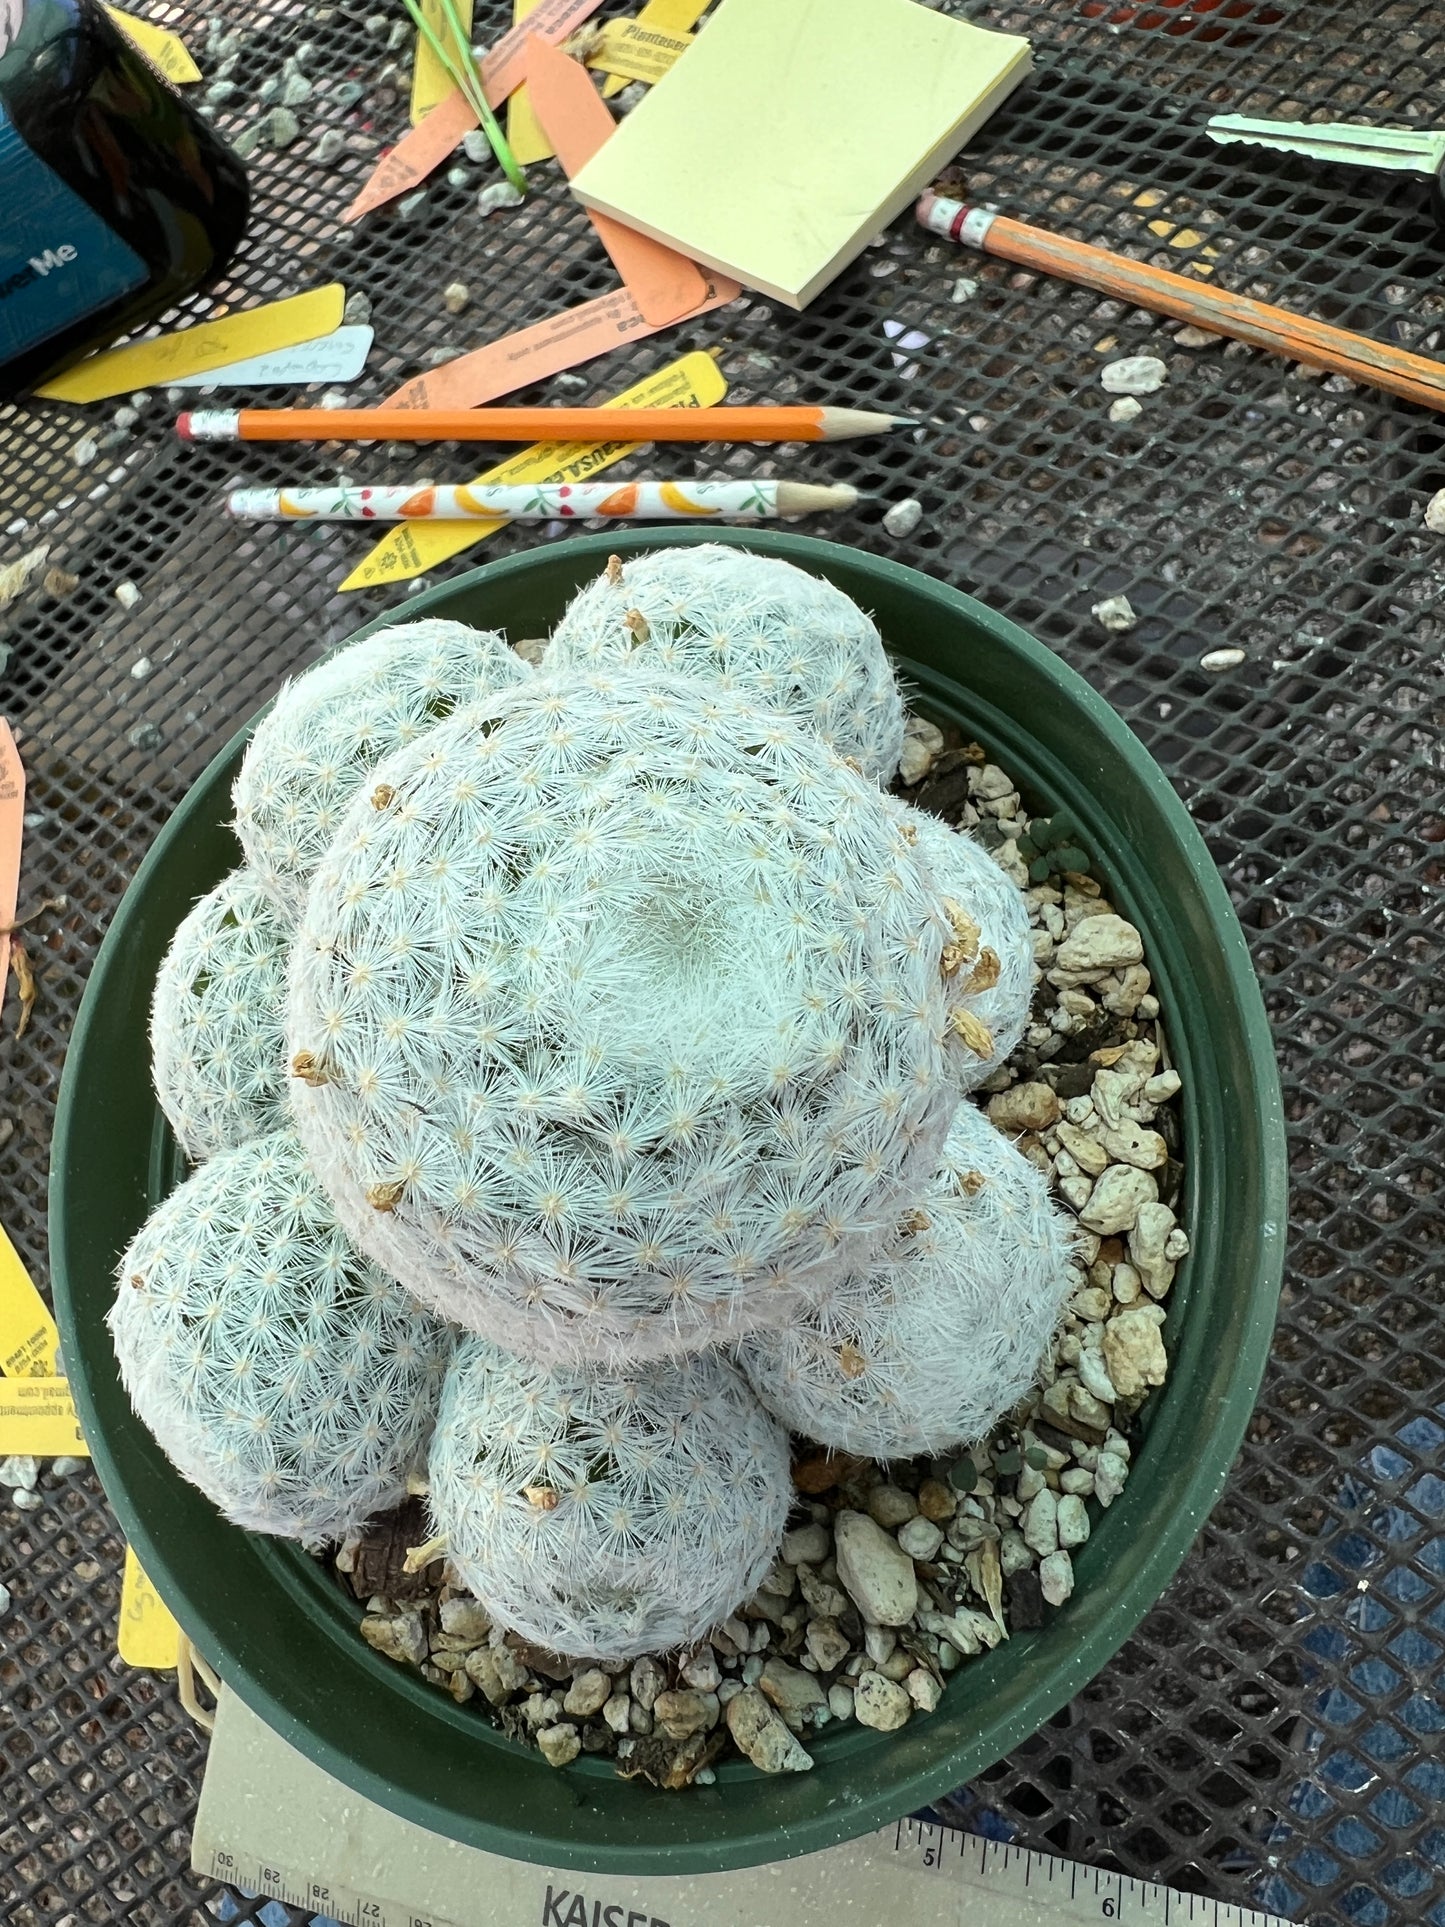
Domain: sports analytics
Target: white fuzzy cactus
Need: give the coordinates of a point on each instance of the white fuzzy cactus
(217, 1045)
(787, 639)
(278, 1370)
(990, 962)
(606, 1517)
(931, 1345)
(617, 1018)
(327, 729)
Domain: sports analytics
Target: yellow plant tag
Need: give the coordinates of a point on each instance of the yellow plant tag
(37, 1416)
(524, 130)
(412, 548)
(210, 344)
(147, 1635)
(162, 49)
(28, 1337)
(661, 16)
(634, 52)
(430, 81)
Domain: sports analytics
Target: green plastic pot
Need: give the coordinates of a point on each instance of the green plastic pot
(279, 1631)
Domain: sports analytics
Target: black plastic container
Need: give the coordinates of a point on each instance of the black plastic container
(115, 198)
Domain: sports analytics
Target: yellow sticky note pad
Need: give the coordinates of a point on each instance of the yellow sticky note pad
(147, 1635)
(524, 130)
(661, 16)
(28, 1337)
(430, 81)
(414, 547)
(37, 1416)
(162, 49)
(210, 344)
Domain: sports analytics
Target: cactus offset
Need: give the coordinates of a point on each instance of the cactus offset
(278, 1370)
(217, 1044)
(932, 1344)
(625, 1018)
(785, 639)
(606, 1517)
(327, 729)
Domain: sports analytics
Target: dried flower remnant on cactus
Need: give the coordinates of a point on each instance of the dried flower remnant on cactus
(630, 1016)
(332, 725)
(278, 1370)
(602, 1516)
(931, 1345)
(771, 631)
(988, 965)
(216, 1020)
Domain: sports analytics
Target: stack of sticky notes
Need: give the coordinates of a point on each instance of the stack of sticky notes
(792, 130)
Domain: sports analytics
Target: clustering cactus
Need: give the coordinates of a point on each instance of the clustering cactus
(289, 1379)
(989, 963)
(606, 1517)
(217, 1048)
(930, 1345)
(617, 1018)
(789, 640)
(327, 729)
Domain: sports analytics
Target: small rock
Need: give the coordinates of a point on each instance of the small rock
(1215, 660)
(923, 1689)
(880, 1703)
(1073, 1520)
(220, 92)
(329, 144)
(920, 1538)
(476, 147)
(498, 1671)
(937, 1500)
(66, 1468)
(647, 1680)
(465, 1618)
(247, 141)
(1189, 337)
(1078, 1481)
(59, 582)
(1025, 1600)
(1094, 1377)
(140, 668)
(1159, 1089)
(879, 1643)
(806, 1545)
(1149, 1248)
(459, 176)
(1435, 513)
(1041, 1522)
(1176, 1245)
(357, 310)
(397, 36)
(759, 1733)
(890, 1506)
(1115, 613)
(1126, 409)
(827, 1643)
(347, 94)
(559, 1745)
(876, 1573)
(588, 1693)
(20, 1471)
(541, 1709)
(282, 127)
(1134, 1351)
(6, 1597)
(1109, 1476)
(922, 742)
(1127, 1284)
(400, 1638)
(456, 296)
(1100, 944)
(702, 1670)
(1086, 1151)
(963, 289)
(796, 1694)
(85, 451)
(685, 1711)
(822, 1599)
(295, 89)
(410, 205)
(126, 594)
(1056, 1577)
(1114, 1205)
(1026, 1107)
(27, 1501)
(125, 417)
(903, 518)
(1134, 375)
(145, 737)
(1130, 1143)
(840, 1700)
(493, 199)
(617, 1712)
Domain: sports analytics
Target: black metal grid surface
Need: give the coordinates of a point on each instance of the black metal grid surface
(1271, 1733)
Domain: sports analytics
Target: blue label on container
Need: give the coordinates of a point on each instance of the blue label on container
(58, 259)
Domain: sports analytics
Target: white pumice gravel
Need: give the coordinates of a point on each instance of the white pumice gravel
(889, 1581)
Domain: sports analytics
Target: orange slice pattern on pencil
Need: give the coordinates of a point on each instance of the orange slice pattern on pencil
(673, 496)
(422, 503)
(289, 507)
(622, 501)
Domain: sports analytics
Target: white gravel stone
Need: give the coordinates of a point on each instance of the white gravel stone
(923, 1689)
(1073, 1520)
(1041, 1522)
(1149, 1247)
(618, 1712)
(1134, 1350)
(126, 594)
(827, 1644)
(1117, 1199)
(20, 1470)
(922, 742)
(763, 1735)
(1130, 1143)
(840, 1701)
(1077, 1482)
(796, 1694)
(1100, 944)
(1115, 613)
(1217, 660)
(702, 1670)
(1056, 1577)
(806, 1545)
(559, 1745)
(880, 1703)
(1435, 513)
(890, 1506)
(1109, 1476)
(920, 1538)
(589, 1693)
(1094, 1376)
(66, 1468)
(27, 1500)
(5, 1599)
(1125, 409)
(493, 199)
(1134, 375)
(647, 1680)
(879, 1644)
(903, 518)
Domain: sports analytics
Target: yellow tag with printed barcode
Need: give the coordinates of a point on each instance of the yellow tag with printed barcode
(660, 16)
(28, 1337)
(162, 49)
(37, 1417)
(147, 1635)
(412, 548)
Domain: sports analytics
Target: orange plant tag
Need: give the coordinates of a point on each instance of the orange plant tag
(12, 818)
(665, 284)
(420, 152)
(532, 354)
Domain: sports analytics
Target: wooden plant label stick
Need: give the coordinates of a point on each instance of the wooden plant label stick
(662, 16)
(695, 381)
(210, 344)
(418, 153)
(532, 354)
(12, 827)
(37, 1417)
(28, 1337)
(667, 285)
(430, 81)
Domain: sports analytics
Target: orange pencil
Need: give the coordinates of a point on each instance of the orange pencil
(533, 424)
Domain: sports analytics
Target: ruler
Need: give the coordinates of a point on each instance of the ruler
(273, 1823)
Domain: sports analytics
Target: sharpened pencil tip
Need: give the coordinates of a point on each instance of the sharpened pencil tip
(904, 421)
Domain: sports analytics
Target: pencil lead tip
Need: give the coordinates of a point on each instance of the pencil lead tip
(905, 421)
